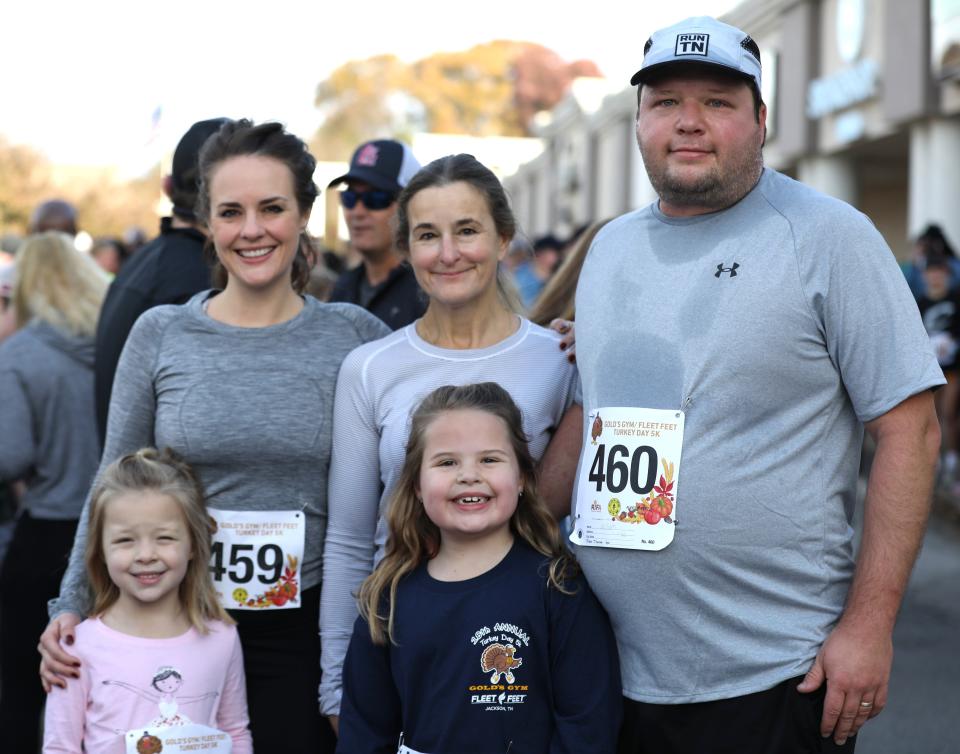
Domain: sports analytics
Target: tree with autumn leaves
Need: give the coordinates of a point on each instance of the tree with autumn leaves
(24, 183)
(106, 206)
(492, 89)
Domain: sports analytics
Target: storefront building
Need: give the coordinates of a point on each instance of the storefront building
(864, 104)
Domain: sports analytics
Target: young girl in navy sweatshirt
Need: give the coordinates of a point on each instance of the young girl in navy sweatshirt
(477, 634)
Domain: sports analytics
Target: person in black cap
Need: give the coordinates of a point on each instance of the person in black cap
(168, 270)
(54, 214)
(532, 276)
(383, 284)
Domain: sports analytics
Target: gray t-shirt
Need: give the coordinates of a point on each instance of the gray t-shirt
(379, 386)
(779, 326)
(251, 409)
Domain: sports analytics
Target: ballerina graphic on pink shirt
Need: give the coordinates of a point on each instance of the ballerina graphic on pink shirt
(166, 682)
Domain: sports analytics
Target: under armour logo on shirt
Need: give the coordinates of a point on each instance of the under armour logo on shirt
(721, 269)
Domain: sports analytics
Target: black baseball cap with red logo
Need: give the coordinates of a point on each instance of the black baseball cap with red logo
(384, 164)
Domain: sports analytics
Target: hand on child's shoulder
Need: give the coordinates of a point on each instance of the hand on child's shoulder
(81, 636)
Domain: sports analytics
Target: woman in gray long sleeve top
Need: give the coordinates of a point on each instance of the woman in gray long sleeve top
(241, 384)
(49, 441)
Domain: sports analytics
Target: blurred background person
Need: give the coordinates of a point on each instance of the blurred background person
(54, 214)
(931, 242)
(382, 283)
(531, 276)
(8, 320)
(134, 239)
(556, 301)
(8, 324)
(8, 248)
(518, 253)
(49, 441)
(109, 254)
(940, 309)
(168, 270)
(322, 279)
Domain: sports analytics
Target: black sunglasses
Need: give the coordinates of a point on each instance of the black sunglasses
(373, 199)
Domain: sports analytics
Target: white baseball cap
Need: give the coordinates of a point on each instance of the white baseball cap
(704, 41)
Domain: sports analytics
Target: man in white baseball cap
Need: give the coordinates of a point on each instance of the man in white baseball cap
(734, 338)
(701, 40)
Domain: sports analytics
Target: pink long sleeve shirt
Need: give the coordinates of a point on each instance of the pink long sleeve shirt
(128, 683)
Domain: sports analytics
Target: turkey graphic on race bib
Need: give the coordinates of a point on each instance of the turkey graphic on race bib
(628, 479)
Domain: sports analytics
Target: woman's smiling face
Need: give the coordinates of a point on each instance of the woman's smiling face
(454, 244)
(255, 222)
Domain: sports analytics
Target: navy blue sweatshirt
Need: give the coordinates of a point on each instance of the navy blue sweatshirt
(501, 662)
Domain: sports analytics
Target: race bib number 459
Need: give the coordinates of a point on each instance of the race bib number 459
(628, 480)
(255, 558)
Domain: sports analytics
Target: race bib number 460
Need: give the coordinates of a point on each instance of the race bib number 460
(629, 474)
(255, 558)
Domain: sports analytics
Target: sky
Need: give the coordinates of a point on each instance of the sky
(82, 81)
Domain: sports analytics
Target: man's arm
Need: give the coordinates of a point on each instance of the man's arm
(855, 659)
(558, 467)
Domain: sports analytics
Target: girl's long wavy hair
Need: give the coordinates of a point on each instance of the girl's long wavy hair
(57, 284)
(165, 473)
(414, 538)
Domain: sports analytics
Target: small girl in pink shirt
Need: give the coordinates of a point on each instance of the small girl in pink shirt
(160, 660)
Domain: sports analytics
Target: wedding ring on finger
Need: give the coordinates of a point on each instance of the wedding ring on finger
(866, 705)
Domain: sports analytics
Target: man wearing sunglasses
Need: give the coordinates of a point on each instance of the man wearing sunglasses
(383, 284)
